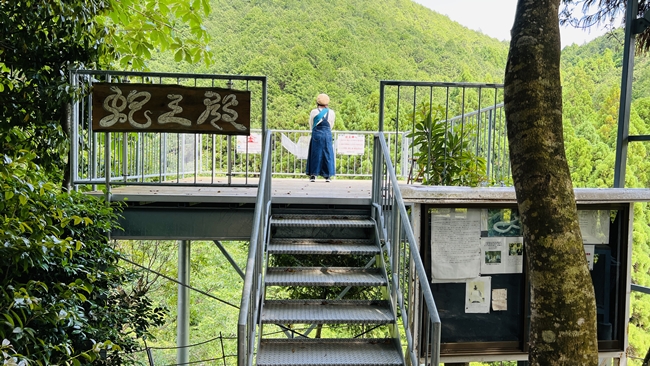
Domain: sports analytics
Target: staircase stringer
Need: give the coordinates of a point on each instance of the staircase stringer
(384, 253)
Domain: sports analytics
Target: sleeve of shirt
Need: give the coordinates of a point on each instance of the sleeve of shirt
(314, 113)
(331, 118)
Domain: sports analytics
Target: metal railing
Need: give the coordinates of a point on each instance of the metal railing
(197, 159)
(353, 151)
(409, 286)
(253, 282)
(129, 158)
(141, 158)
(473, 111)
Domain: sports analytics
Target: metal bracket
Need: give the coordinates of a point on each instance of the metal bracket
(641, 24)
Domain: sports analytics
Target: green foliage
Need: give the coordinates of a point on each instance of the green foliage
(443, 151)
(304, 52)
(591, 91)
(61, 294)
(210, 272)
(42, 40)
(137, 29)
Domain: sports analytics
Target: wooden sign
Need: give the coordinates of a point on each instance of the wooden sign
(170, 108)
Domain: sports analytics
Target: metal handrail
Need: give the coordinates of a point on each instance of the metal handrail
(153, 159)
(172, 159)
(409, 286)
(253, 289)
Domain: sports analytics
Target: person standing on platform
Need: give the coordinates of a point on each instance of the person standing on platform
(320, 159)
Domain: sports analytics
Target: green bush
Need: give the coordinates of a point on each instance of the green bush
(63, 298)
(443, 151)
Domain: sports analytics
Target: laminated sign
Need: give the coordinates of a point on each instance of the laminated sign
(349, 144)
(128, 107)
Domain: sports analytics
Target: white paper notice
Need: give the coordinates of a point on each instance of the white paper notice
(477, 295)
(348, 144)
(502, 255)
(589, 253)
(253, 143)
(515, 254)
(594, 226)
(500, 299)
(455, 244)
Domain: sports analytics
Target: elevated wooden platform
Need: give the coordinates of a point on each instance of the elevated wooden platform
(284, 190)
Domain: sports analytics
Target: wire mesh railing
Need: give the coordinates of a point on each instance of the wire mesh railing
(195, 159)
(353, 151)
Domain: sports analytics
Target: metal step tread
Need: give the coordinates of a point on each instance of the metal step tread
(322, 221)
(322, 246)
(327, 312)
(324, 276)
(329, 352)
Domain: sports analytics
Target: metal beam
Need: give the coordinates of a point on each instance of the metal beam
(183, 304)
(229, 258)
(184, 223)
(626, 95)
(645, 290)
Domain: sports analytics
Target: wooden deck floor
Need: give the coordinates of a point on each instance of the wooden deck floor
(284, 190)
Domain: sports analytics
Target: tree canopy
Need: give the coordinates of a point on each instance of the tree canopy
(64, 299)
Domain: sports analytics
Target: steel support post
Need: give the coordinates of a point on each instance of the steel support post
(626, 95)
(183, 304)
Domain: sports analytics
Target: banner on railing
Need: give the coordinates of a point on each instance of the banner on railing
(300, 149)
(127, 107)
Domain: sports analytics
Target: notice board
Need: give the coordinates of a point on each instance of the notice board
(475, 259)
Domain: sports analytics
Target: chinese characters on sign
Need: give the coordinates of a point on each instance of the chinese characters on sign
(170, 108)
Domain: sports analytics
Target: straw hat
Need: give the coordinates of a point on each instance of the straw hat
(322, 99)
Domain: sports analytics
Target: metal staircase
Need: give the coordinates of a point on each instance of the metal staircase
(358, 330)
(350, 271)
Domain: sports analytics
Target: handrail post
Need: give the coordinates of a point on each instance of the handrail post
(626, 93)
(107, 165)
(377, 171)
(395, 243)
(74, 128)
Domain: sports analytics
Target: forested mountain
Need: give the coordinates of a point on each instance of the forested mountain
(345, 47)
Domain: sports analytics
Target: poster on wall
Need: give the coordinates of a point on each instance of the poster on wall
(502, 222)
(594, 226)
(499, 299)
(477, 295)
(350, 144)
(455, 244)
(502, 255)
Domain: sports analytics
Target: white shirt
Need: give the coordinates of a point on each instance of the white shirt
(314, 112)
